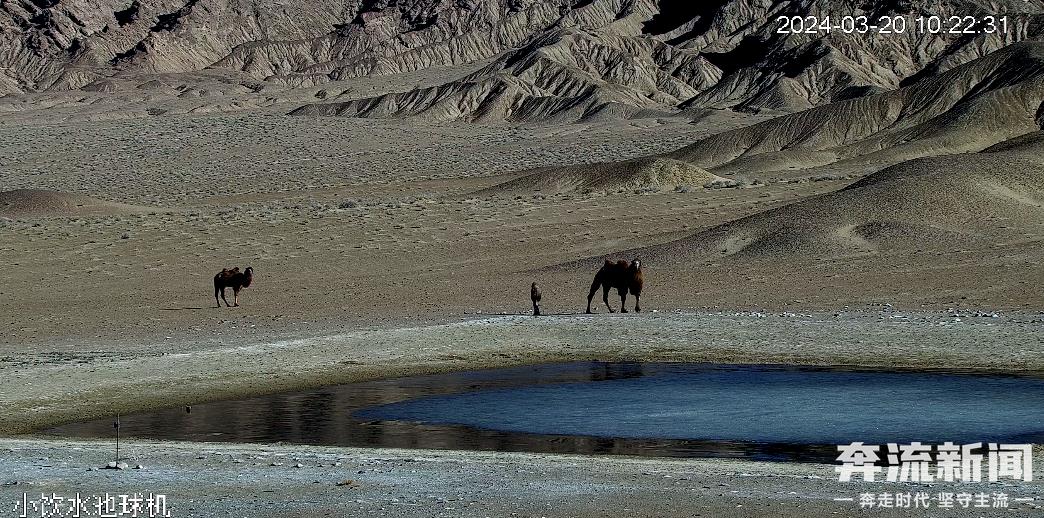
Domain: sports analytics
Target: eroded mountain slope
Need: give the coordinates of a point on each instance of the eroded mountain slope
(518, 60)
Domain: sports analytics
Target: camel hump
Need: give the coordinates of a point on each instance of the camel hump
(622, 264)
(608, 262)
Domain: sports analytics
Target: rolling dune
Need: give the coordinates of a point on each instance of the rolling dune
(649, 174)
(942, 203)
(966, 109)
(21, 203)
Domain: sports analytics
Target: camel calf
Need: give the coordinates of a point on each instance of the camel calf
(231, 279)
(535, 296)
(625, 277)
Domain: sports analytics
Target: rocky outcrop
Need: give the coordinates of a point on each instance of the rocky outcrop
(496, 59)
(48, 45)
(670, 55)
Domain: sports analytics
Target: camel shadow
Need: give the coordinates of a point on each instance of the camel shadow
(583, 314)
(569, 314)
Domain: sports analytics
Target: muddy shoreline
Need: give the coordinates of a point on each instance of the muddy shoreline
(46, 390)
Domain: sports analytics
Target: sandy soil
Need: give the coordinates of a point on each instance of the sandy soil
(353, 222)
(203, 479)
(350, 225)
(374, 259)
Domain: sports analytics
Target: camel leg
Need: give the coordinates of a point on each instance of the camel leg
(637, 302)
(216, 299)
(235, 295)
(623, 300)
(605, 298)
(536, 309)
(223, 297)
(591, 294)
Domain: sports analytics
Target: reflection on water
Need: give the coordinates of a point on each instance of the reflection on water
(620, 408)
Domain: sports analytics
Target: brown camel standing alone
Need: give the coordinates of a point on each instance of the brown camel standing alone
(622, 276)
(231, 279)
(535, 296)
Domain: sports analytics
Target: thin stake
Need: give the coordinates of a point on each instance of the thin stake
(116, 425)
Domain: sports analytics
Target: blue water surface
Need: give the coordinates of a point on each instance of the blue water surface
(755, 404)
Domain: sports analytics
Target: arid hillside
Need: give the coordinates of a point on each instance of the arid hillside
(967, 108)
(517, 60)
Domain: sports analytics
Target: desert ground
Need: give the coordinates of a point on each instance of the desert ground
(355, 222)
(397, 174)
(380, 482)
(383, 248)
